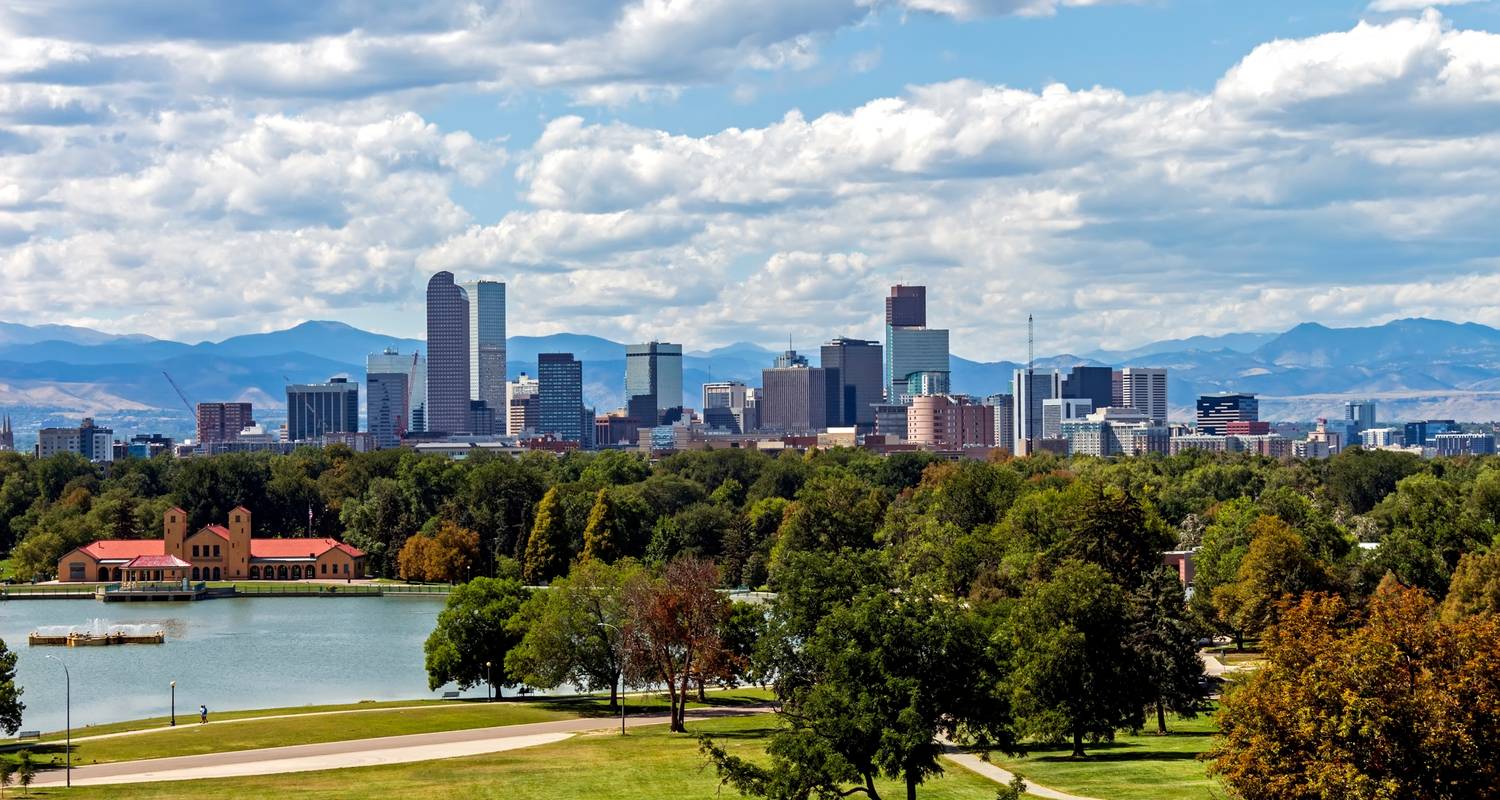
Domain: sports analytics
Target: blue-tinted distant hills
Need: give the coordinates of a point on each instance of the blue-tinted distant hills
(1414, 367)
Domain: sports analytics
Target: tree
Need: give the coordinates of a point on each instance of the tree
(891, 674)
(474, 629)
(571, 632)
(10, 694)
(547, 548)
(7, 774)
(1476, 586)
(411, 562)
(25, 771)
(603, 537)
(1074, 673)
(450, 554)
(673, 626)
(1114, 530)
(1276, 568)
(1392, 704)
(1163, 643)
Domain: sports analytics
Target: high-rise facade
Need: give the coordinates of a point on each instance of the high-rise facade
(945, 422)
(1143, 389)
(653, 380)
(859, 363)
(910, 346)
(388, 379)
(730, 405)
(560, 411)
(413, 368)
(1028, 390)
(799, 399)
(316, 409)
(1005, 432)
(222, 422)
(1359, 416)
(1216, 411)
(487, 348)
(1056, 410)
(1094, 384)
(7, 435)
(523, 410)
(448, 373)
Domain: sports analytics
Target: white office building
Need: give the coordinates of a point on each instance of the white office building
(1143, 389)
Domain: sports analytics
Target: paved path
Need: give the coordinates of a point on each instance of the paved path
(359, 752)
(985, 769)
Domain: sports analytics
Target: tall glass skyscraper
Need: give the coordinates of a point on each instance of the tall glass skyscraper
(653, 380)
(487, 346)
(448, 374)
(859, 364)
(559, 379)
(910, 346)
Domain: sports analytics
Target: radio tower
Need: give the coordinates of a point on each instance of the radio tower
(1030, 383)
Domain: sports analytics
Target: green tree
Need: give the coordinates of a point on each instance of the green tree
(547, 550)
(1114, 530)
(378, 524)
(25, 771)
(890, 674)
(474, 629)
(1424, 533)
(1359, 479)
(571, 632)
(1164, 643)
(602, 538)
(11, 706)
(7, 774)
(1075, 676)
(1278, 568)
(1476, 586)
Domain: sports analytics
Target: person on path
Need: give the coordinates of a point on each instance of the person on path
(202, 714)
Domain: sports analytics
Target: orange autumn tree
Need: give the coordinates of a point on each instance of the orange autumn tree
(1394, 704)
(449, 555)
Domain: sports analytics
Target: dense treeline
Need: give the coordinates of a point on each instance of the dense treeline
(1003, 602)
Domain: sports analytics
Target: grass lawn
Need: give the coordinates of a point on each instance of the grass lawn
(189, 738)
(648, 764)
(1144, 767)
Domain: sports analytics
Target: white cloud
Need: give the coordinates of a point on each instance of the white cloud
(1417, 5)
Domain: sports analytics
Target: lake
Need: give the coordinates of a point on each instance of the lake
(226, 653)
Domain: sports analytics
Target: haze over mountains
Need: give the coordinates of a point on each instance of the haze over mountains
(1414, 367)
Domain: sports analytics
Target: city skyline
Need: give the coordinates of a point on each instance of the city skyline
(798, 154)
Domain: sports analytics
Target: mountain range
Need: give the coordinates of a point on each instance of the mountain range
(1415, 368)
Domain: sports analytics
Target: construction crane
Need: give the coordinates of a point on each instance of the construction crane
(178, 389)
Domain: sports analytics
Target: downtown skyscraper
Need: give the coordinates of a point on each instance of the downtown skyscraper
(449, 378)
(487, 347)
(916, 356)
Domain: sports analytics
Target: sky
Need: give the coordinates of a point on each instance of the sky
(714, 171)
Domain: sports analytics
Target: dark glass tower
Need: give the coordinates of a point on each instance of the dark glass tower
(447, 355)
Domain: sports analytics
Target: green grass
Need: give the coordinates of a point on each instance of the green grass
(1143, 767)
(189, 738)
(648, 764)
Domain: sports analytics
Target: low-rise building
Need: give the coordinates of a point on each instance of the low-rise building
(948, 422)
(214, 552)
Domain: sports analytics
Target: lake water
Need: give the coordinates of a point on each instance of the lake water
(228, 654)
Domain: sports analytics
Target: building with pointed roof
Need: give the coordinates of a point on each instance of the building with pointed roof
(212, 553)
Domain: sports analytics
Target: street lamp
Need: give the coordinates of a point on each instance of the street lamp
(620, 665)
(174, 702)
(489, 682)
(68, 718)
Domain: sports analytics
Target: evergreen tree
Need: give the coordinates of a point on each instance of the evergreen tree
(601, 539)
(547, 549)
(10, 694)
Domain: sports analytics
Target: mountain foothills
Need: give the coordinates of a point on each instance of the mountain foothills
(1417, 368)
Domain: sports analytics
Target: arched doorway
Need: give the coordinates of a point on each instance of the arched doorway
(117, 573)
(195, 573)
(297, 572)
(255, 573)
(217, 573)
(281, 574)
(104, 574)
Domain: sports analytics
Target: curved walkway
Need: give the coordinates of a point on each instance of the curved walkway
(985, 769)
(359, 752)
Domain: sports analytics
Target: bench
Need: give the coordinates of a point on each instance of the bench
(29, 736)
(525, 690)
(450, 695)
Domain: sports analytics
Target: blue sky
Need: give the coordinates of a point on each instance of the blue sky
(709, 171)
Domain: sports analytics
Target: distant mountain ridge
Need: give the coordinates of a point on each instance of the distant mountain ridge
(1414, 367)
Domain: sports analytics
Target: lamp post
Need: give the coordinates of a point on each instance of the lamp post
(174, 703)
(620, 665)
(489, 681)
(68, 715)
